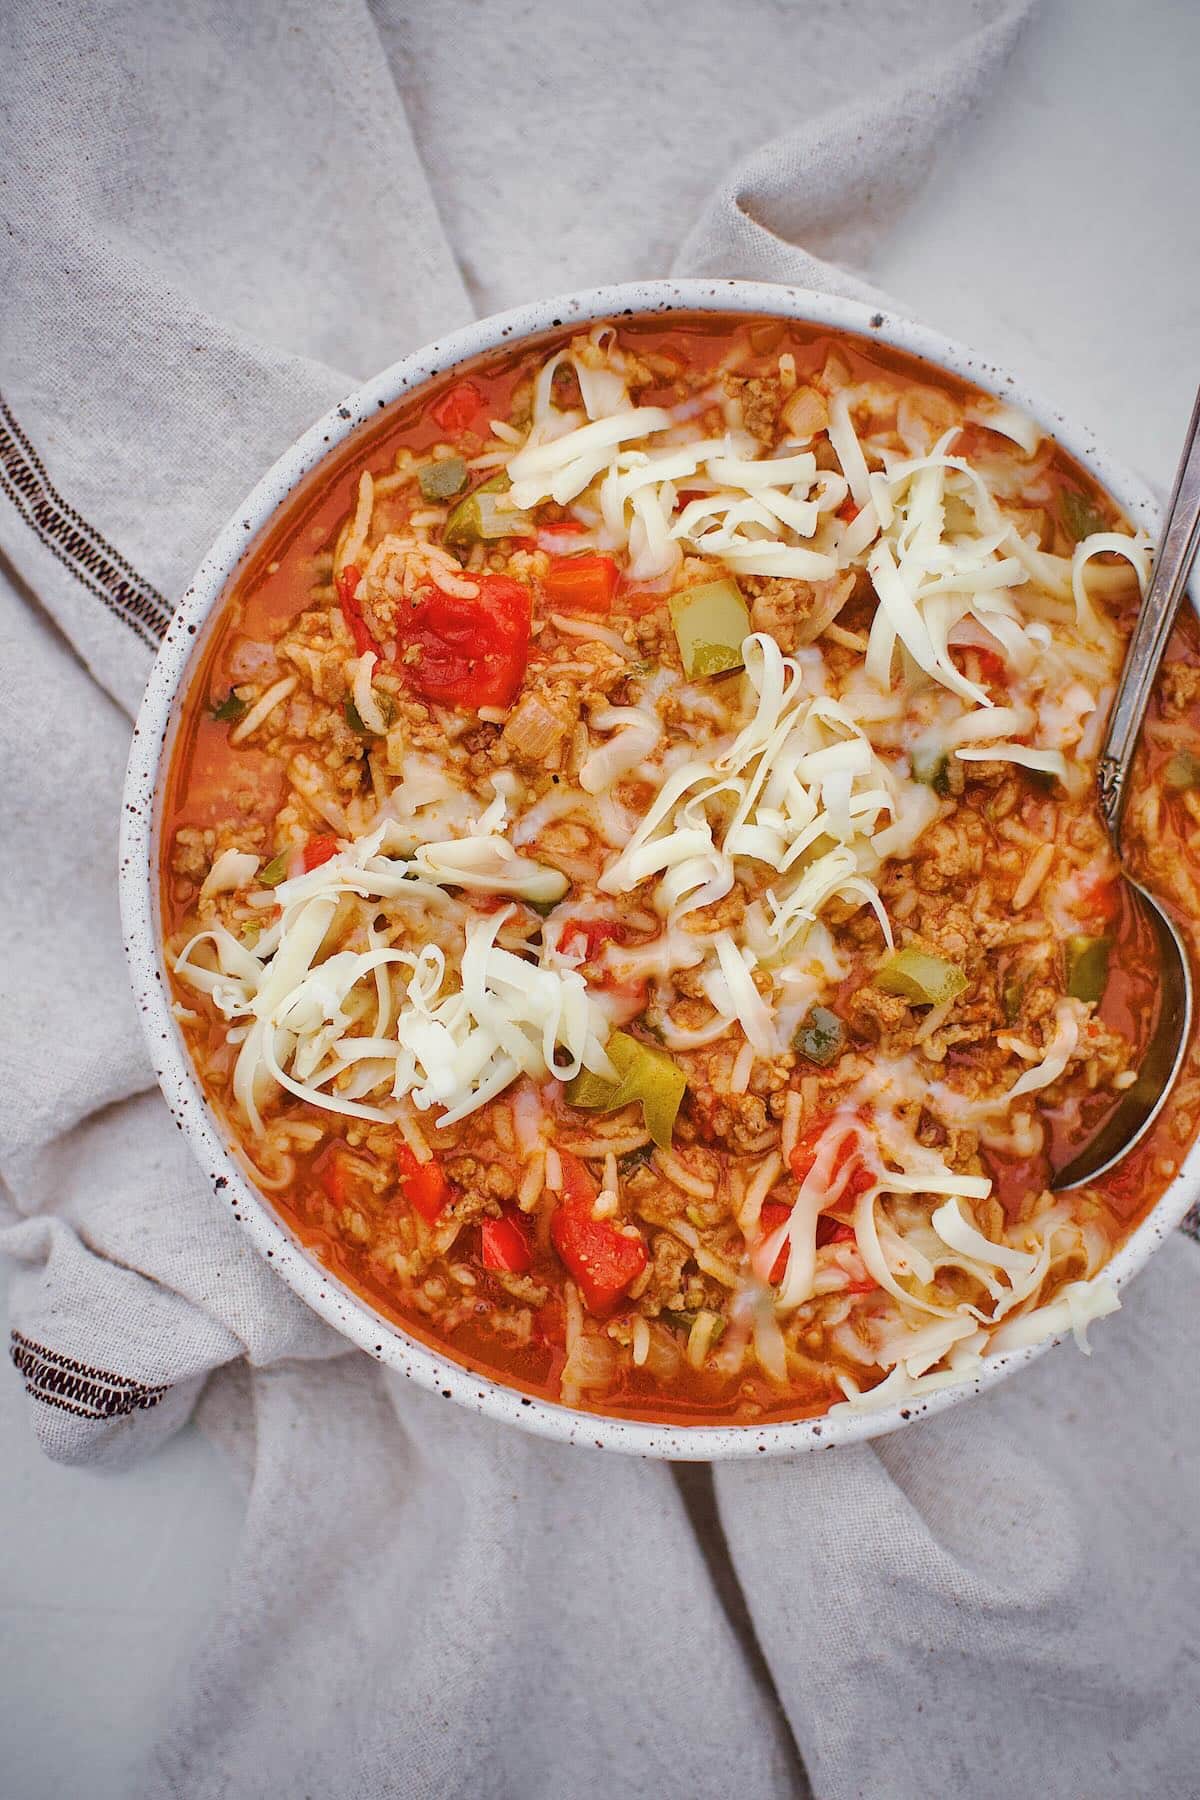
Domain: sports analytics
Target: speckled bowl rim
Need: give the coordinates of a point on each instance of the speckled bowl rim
(152, 741)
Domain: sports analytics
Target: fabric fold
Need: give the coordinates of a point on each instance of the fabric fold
(216, 220)
(812, 206)
(1000, 1594)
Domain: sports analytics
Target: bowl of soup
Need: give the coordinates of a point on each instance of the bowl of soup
(613, 879)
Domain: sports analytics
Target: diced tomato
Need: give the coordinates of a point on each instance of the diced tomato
(774, 1214)
(991, 664)
(487, 903)
(587, 937)
(589, 582)
(848, 511)
(638, 601)
(468, 653)
(1098, 895)
(562, 538)
(804, 1156)
(549, 1323)
(625, 999)
(332, 1173)
(505, 1246)
(833, 1231)
(352, 612)
(318, 850)
(424, 1186)
(577, 1185)
(458, 408)
(1126, 1187)
(604, 1258)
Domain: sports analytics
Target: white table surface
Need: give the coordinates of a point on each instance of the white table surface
(1060, 236)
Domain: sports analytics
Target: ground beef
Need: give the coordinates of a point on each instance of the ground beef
(1180, 687)
(661, 1282)
(652, 1197)
(414, 727)
(950, 851)
(760, 398)
(521, 1287)
(736, 1122)
(719, 915)
(881, 1018)
(481, 1187)
(959, 1147)
(779, 608)
(193, 852)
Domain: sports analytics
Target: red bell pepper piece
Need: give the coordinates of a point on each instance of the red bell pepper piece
(604, 1258)
(588, 582)
(587, 937)
(457, 408)
(319, 850)
(424, 1186)
(505, 1246)
(352, 612)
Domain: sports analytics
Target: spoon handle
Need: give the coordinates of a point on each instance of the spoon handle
(1172, 566)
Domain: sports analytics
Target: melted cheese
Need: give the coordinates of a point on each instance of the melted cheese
(799, 772)
(453, 1047)
(943, 558)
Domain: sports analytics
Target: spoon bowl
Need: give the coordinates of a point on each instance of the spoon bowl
(1140, 1104)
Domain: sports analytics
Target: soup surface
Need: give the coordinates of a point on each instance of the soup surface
(632, 879)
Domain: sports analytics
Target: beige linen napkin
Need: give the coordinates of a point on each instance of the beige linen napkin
(217, 218)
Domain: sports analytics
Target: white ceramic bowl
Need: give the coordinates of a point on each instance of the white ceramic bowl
(152, 743)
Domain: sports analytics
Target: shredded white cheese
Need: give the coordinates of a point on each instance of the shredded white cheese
(453, 1047)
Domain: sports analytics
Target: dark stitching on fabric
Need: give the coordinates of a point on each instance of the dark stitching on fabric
(78, 1387)
(81, 1412)
(143, 632)
(79, 1368)
(68, 536)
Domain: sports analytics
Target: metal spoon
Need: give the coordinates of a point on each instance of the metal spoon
(1141, 1104)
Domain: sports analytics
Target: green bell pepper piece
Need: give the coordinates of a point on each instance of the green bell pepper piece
(711, 623)
(1087, 967)
(1081, 516)
(229, 710)
(931, 767)
(1182, 771)
(821, 1037)
(483, 516)
(276, 870)
(646, 1074)
(920, 978)
(442, 480)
